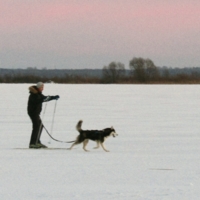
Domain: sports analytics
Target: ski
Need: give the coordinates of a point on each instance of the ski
(51, 148)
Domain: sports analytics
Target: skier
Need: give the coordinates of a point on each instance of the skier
(36, 98)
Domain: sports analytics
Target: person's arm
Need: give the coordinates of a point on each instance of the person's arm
(49, 98)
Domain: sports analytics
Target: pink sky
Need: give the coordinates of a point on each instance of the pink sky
(93, 33)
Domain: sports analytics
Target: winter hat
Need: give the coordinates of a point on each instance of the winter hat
(39, 84)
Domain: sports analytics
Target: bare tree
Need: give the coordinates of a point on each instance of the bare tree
(113, 72)
(137, 69)
(143, 69)
(152, 71)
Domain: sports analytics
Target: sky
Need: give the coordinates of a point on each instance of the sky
(79, 34)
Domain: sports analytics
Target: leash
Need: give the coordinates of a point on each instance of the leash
(42, 125)
(54, 138)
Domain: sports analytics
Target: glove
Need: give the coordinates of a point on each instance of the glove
(56, 97)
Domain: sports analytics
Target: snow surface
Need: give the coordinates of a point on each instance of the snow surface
(155, 157)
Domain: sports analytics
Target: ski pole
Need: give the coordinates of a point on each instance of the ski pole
(53, 121)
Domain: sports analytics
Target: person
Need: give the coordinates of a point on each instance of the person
(35, 100)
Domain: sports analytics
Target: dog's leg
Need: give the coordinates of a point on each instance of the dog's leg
(75, 143)
(85, 142)
(72, 145)
(103, 147)
(97, 145)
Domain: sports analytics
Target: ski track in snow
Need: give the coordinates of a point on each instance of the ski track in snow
(155, 157)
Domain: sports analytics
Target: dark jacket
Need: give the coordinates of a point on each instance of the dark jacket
(36, 98)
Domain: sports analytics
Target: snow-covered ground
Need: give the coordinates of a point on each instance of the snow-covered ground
(155, 157)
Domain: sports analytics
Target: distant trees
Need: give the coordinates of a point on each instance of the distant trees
(113, 73)
(143, 70)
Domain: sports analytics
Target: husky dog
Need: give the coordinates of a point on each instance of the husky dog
(96, 135)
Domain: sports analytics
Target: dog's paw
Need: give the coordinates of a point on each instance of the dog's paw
(86, 150)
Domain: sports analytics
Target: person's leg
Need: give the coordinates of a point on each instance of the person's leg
(36, 132)
(40, 131)
(39, 135)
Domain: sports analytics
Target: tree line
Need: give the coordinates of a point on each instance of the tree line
(142, 71)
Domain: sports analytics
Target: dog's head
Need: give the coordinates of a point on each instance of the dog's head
(113, 132)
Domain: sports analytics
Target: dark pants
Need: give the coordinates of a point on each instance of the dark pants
(37, 129)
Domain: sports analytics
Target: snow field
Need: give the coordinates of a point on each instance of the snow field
(155, 157)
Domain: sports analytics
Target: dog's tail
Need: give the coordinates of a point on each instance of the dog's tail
(78, 126)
